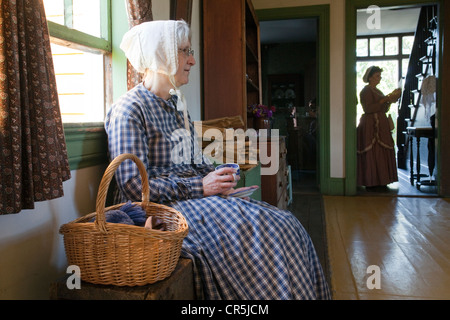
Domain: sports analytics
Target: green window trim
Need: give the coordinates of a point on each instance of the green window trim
(71, 35)
(86, 144)
(66, 33)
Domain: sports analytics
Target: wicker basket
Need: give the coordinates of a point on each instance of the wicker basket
(120, 254)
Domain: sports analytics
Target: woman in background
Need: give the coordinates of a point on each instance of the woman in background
(240, 249)
(376, 165)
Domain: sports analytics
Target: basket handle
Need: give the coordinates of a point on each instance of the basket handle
(100, 221)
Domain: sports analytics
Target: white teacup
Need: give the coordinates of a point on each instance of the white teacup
(231, 165)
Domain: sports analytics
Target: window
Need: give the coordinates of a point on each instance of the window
(376, 47)
(391, 53)
(407, 44)
(81, 15)
(379, 48)
(391, 46)
(80, 83)
(81, 48)
(362, 47)
(385, 45)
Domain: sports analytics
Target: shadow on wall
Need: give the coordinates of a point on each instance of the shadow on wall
(26, 268)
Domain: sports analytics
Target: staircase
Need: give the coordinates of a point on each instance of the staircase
(412, 113)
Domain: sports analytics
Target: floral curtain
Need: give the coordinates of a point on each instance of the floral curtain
(33, 157)
(138, 11)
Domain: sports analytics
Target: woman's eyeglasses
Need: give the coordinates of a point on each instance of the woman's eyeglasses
(188, 51)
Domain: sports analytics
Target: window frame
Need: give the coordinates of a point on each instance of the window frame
(399, 56)
(87, 142)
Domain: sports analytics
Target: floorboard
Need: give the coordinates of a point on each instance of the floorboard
(307, 206)
(406, 238)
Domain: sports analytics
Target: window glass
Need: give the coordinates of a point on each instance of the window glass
(80, 67)
(391, 46)
(80, 83)
(54, 10)
(376, 47)
(86, 16)
(407, 44)
(81, 15)
(362, 47)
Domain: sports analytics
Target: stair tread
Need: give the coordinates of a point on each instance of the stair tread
(426, 59)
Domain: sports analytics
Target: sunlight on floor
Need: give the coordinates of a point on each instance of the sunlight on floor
(406, 238)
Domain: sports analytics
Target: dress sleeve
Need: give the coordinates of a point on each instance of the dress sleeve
(126, 134)
(371, 101)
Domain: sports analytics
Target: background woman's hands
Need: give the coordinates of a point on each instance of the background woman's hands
(391, 98)
(395, 95)
(219, 182)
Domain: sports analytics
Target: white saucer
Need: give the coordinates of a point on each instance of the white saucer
(244, 192)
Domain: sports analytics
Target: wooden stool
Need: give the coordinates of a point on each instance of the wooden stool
(179, 286)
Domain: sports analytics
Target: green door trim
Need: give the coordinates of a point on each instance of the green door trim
(322, 13)
(350, 82)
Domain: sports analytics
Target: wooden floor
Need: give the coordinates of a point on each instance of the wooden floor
(402, 232)
(308, 208)
(406, 238)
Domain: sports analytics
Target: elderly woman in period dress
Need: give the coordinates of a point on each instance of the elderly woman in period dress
(240, 248)
(376, 165)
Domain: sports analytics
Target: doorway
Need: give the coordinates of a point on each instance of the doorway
(294, 71)
(289, 74)
(389, 46)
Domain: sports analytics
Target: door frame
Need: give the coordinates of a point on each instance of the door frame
(350, 82)
(322, 13)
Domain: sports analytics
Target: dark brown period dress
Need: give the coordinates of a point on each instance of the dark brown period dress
(376, 165)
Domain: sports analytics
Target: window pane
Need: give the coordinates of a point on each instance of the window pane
(80, 83)
(407, 44)
(391, 46)
(54, 10)
(362, 47)
(376, 47)
(86, 16)
(81, 15)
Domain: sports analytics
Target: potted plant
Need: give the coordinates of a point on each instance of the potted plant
(261, 115)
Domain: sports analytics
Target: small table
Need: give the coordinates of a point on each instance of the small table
(418, 133)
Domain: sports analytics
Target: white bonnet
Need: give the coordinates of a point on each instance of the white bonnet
(368, 73)
(152, 45)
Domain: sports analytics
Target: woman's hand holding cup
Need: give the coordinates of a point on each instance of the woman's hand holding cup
(221, 180)
(235, 174)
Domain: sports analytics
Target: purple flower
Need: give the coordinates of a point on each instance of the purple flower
(261, 111)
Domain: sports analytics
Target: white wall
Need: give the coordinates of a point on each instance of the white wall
(337, 74)
(31, 248)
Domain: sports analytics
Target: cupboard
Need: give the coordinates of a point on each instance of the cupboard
(231, 58)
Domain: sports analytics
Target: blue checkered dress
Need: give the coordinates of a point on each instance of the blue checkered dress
(240, 249)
